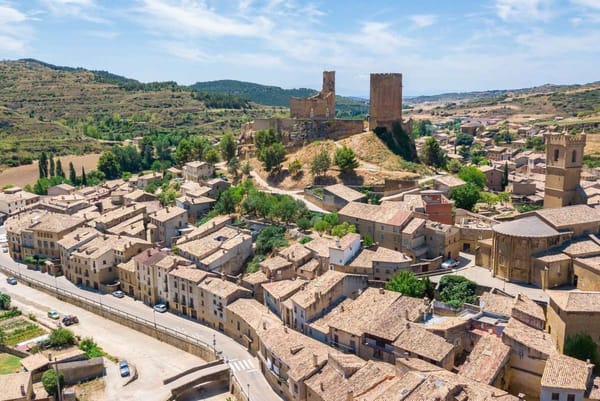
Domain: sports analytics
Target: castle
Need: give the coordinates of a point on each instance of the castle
(313, 118)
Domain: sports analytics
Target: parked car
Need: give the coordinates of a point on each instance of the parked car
(124, 368)
(450, 264)
(11, 281)
(161, 308)
(69, 320)
(52, 314)
(118, 294)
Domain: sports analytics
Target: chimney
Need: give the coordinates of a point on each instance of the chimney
(149, 252)
(322, 387)
(521, 397)
(285, 329)
(407, 325)
(23, 390)
(406, 314)
(264, 325)
(337, 243)
(382, 291)
(350, 395)
(315, 360)
(341, 308)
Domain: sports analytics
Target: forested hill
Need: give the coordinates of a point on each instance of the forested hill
(275, 96)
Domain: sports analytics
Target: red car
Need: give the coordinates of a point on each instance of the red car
(69, 320)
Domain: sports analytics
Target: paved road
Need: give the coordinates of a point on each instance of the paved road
(295, 194)
(248, 374)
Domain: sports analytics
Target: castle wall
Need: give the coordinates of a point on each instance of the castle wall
(386, 100)
(320, 106)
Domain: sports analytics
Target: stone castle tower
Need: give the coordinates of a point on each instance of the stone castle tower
(385, 100)
(318, 107)
(564, 159)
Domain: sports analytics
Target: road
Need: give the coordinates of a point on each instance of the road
(244, 366)
(294, 194)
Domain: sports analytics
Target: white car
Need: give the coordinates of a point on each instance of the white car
(450, 264)
(160, 308)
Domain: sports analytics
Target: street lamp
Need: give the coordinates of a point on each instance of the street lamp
(154, 315)
(248, 391)
(56, 283)
(214, 343)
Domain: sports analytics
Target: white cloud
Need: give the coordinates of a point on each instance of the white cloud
(595, 4)
(103, 34)
(524, 10)
(81, 9)
(423, 20)
(14, 31)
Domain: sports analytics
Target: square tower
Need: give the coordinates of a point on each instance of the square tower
(386, 100)
(564, 159)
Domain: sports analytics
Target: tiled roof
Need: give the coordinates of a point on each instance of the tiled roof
(563, 217)
(532, 338)
(531, 226)
(284, 288)
(417, 340)
(486, 360)
(576, 301)
(562, 371)
(344, 192)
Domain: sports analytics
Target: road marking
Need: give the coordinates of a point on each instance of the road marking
(242, 365)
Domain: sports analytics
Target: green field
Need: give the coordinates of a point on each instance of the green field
(9, 364)
(20, 330)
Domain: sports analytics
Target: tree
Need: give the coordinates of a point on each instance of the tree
(211, 156)
(504, 197)
(246, 168)
(269, 239)
(50, 383)
(303, 223)
(342, 229)
(83, 177)
(295, 167)
(367, 241)
(233, 165)
(156, 166)
(61, 336)
(463, 139)
(272, 156)
(108, 164)
(43, 165)
(432, 154)
(582, 346)
(52, 171)
(473, 175)
(72, 174)
(505, 176)
(453, 166)
(465, 196)
(406, 283)
(228, 146)
(265, 138)
(59, 169)
(4, 301)
(489, 198)
(457, 290)
(345, 158)
(320, 163)
(226, 204)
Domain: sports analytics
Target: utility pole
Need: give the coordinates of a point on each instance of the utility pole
(55, 366)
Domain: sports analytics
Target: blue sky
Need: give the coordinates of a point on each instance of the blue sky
(439, 46)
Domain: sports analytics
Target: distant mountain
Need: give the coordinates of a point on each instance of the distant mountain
(346, 107)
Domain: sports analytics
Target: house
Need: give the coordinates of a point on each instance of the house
(277, 268)
(493, 178)
(14, 200)
(320, 294)
(183, 293)
(572, 312)
(197, 170)
(277, 292)
(146, 271)
(345, 249)
(16, 387)
(61, 189)
(144, 180)
(296, 254)
(498, 153)
(36, 234)
(128, 282)
(488, 362)
(287, 358)
(566, 378)
(430, 204)
(215, 295)
(380, 264)
(196, 207)
(217, 185)
(335, 197)
(214, 224)
(245, 318)
(447, 183)
(119, 215)
(65, 204)
(165, 224)
(224, 250)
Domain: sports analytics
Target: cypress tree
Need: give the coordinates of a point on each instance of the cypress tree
(72, 174)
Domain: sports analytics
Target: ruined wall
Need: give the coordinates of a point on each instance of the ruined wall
(320, 106)
(386, 100)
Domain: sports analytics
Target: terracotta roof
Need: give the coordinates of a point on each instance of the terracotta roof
(253, 313)
(567, 216)
(450, 181)
(392, 320)
(128, 266)
(375, 213)
(283, 289)
(295, 253)
(344, 192)
(322, 284)
(525, 305)
(496, 304)
(275, 263)
(310, 266)
(419, 341)
(221, 288)
(150, 256)
(11, 386)
(320, 245)
(531, 226)
(562, 371)
(576, 301)
(530, 337)
(486, 360)
(189, 273)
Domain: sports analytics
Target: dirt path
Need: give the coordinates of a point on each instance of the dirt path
(28, 174)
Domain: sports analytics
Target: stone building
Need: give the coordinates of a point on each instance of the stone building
(386, 100)
(320, 106)
(564, 159)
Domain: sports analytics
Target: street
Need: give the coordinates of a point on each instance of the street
(244, 365)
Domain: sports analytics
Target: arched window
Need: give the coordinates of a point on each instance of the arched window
(574, 156)
(555, 155)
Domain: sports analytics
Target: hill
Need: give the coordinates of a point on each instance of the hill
(74, 110)
(346, 107)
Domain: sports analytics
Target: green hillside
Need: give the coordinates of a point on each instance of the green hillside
(275, 96)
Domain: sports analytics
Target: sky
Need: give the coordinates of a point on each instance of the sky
(439, 46)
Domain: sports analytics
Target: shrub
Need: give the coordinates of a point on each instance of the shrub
(49, 381)
(457, 290)
(91, 349)
(61, 336)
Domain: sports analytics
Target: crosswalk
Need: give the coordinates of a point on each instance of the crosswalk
(242, 365)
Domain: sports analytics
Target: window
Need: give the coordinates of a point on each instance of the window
(570, 397)
(556, 159)
(574, 156)
(555, 396)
